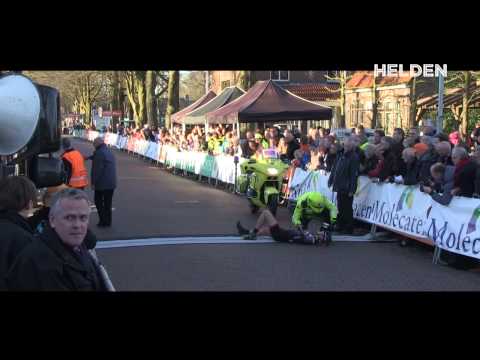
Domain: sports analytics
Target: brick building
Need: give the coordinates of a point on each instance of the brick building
(393, 98)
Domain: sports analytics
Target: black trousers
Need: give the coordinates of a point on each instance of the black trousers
(345, 212)
(103, 202)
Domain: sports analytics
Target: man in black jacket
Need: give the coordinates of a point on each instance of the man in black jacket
(17, 198)
(343, 179)
(292, 144)
(59, 260)
(410, 174)
(465, 171)
(104, 181)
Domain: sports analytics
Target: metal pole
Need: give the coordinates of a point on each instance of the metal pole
(206, 82)
(441, 89)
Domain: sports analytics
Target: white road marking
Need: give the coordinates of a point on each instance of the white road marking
(180, 241)
(94, 208)
(109, 244)
(187, 202)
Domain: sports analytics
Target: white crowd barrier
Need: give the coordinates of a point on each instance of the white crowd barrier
(406, 210)
(219, 167)
(402, 209)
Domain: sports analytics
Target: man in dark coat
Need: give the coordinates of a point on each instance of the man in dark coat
(344, 178)
(17, 196)
(58, 259)
(103, 180)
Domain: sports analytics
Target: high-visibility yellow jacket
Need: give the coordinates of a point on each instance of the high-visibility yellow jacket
(312, 204)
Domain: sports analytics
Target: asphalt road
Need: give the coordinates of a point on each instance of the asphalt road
(152, 203)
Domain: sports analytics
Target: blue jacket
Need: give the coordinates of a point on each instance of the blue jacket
(104, 172)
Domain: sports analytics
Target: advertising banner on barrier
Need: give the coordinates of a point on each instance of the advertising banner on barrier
(405, 209)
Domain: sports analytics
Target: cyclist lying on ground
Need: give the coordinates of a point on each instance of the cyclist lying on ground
(268, 225)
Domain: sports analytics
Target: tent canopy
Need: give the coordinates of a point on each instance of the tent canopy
(198, 116)
(267, 102)
(177, 117)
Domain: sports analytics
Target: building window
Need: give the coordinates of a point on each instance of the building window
(332, 75)
(225, 84)
(280, 75)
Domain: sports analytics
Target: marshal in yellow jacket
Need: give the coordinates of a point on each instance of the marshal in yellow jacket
(311, 205)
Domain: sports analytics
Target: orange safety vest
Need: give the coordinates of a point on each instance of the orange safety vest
(79, 177)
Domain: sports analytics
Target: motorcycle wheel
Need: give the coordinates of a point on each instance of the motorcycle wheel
(273, 204)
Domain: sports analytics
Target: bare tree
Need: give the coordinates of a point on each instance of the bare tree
(342, 78)
(135, 86)
(173, 96)
(244, 80)
(465, 79)
(193, 85)
(150, 85)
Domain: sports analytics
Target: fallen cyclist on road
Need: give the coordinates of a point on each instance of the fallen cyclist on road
(268, 225)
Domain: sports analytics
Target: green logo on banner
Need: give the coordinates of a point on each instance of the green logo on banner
(207, 167)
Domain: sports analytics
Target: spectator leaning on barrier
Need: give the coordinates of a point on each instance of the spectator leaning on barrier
(18, 196)
(59, 260)
(443, 182)
(370, 159)
(389, 170)
(465, 171)
(475, 157)
(343, 180)
(410, 175)
(426, 158)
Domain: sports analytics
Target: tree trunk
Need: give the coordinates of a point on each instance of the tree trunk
(343, 82)
(140, 89)
(173, 94)
(150, 84)
(374, 103)
(244, 80)
(115, 96)
(412, 119)
(466, 95)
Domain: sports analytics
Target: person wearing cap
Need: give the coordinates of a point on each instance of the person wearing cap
(313, 205)
(426, 158)
(104, 181)
(74, 162)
